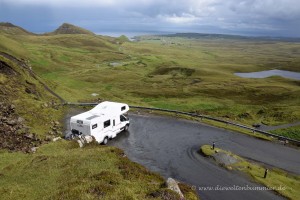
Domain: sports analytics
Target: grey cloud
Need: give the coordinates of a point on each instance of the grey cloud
(275, 17)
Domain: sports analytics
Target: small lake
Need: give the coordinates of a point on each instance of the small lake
(268, 73)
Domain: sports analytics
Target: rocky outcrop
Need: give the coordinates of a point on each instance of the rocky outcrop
(14, 135)
(84, 140)
(173, 185)
(66, 28)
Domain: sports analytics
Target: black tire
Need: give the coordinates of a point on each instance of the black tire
(126, 127)
(71, 137)
(105, 141)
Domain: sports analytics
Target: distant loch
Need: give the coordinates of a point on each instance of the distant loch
(268, 73)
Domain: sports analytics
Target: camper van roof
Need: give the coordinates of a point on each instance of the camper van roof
(104, 108)
(107, 107)
(92, 117)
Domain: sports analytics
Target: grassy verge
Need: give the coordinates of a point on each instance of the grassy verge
(237, 129)
(291, 132)
(61, 170)
(210, 122)
(276, 178)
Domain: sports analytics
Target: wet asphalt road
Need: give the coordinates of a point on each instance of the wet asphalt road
(169, 146)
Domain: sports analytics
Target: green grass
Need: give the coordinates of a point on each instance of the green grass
(292, 132)
(196, 75)
(182, 74)
(213, 123)
(276, 178)
(61, 170)
(30, 105)
(237, 129)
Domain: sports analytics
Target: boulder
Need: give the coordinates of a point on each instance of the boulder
(56, 139)
(48, 138)
(12, 107)
(173, 185)
(51, 133)
(30, 136)
(80, 143)
(33, 149)
(12, 122)
(88, 139)
(20, 119)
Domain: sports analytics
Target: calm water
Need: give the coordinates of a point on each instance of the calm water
(265, 74)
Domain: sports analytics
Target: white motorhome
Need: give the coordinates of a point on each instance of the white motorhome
(103, 122)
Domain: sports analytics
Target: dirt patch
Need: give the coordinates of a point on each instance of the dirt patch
(107, 177)
(164, 194)
(6, 69)
(97, 191)
(224, 159)
(174, 71)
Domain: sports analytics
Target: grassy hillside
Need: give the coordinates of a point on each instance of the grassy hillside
(9, 28)
(28, 97)
(194, 76)
(66, 28)
(34, 167)
(170, 72)
(175, 73)
(61, 170)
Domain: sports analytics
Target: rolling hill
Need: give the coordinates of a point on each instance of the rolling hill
(188, 74)
(174, 73)
(32, 166)
(66, 28)
(9, 28)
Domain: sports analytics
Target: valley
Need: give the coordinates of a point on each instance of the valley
(181, 72)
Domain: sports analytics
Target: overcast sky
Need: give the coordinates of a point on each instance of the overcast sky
(245, 17)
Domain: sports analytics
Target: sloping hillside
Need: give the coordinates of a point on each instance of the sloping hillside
(28, 109)
(9, 28)
(66, 28)
(34, 167)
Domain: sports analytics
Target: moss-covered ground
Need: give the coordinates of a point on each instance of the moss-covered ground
(61, 170)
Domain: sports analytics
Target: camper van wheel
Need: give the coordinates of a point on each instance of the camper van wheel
(105, 141)
(126, 127)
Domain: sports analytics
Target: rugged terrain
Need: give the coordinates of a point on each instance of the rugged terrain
(183, 73)
(34, 166)
(186, 74)
(24, 98)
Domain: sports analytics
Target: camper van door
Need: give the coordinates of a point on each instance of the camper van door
(107, 125)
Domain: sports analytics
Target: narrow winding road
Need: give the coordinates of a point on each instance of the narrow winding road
(170, 147)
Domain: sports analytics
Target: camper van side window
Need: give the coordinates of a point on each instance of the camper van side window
(106, 123)
(79, 122)
(94, 126)
(123, 108)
